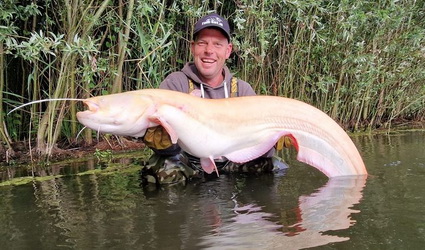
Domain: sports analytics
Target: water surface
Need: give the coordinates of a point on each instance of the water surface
(293, 209)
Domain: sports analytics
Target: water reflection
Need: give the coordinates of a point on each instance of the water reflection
(68, 167)
(240, 212)
(53, 169)
(298, 208)
(330, 208)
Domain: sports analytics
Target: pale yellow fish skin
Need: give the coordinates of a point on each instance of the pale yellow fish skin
(240, 129)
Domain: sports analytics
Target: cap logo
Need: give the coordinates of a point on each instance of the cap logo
(213, 20)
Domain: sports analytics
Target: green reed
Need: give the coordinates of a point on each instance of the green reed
(361, 62)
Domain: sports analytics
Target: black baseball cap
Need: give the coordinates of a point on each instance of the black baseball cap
(212, 21)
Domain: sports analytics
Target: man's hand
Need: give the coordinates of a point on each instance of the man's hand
(157, 138)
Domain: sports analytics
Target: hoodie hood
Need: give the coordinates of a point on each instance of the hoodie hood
(192, 72)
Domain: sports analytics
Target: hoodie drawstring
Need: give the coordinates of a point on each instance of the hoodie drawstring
(226, 91)
(202, 91)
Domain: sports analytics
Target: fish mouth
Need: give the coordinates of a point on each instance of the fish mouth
(91, 106)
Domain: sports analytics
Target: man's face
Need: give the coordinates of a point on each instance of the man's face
(210, 51)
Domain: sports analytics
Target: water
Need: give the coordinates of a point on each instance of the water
(295, 209)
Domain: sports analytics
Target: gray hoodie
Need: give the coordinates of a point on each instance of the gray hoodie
(178, 81)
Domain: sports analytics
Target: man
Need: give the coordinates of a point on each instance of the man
(206, 77)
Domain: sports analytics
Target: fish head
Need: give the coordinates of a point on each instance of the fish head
(125, 114)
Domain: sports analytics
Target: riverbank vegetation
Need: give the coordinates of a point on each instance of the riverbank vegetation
(362, 62)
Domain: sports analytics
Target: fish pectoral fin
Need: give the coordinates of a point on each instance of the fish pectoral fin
(161, 121)
(208, 165)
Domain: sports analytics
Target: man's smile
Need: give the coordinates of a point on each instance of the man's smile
(208, 60)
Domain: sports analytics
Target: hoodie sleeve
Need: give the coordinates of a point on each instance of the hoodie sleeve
(245, 89)
(176, 81)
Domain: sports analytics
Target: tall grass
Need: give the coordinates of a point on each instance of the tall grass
(353, 60)
(361, 62)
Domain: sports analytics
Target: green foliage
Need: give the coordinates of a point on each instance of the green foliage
(103, 155)
(359, 61)
(355, 60)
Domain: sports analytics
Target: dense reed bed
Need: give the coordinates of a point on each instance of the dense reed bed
(362, 62)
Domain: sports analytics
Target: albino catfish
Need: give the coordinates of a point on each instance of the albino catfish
(239, 129)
